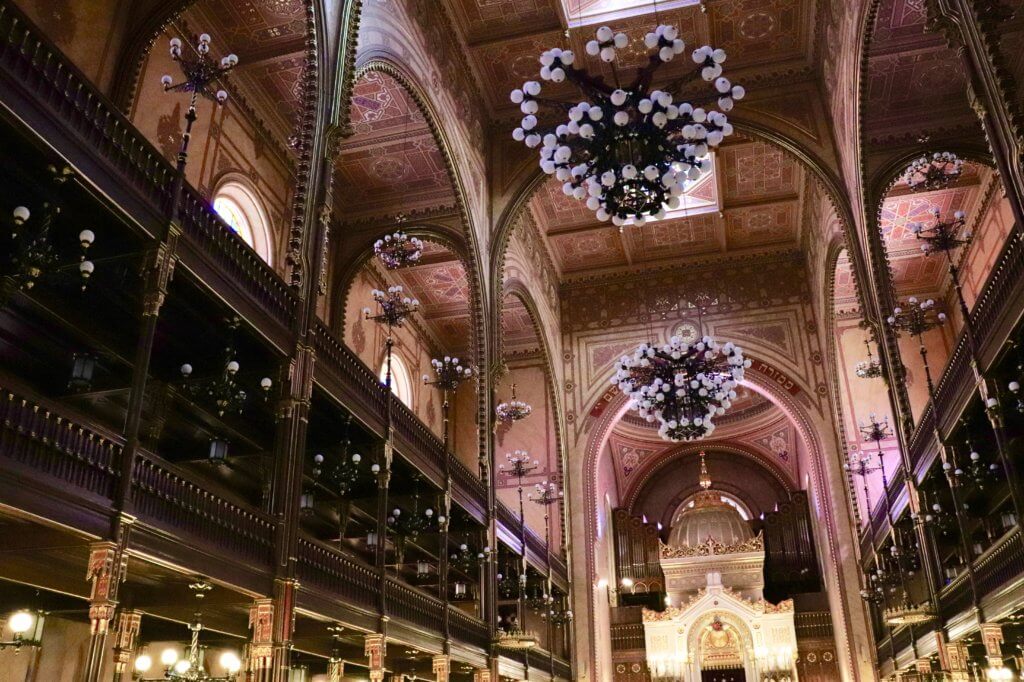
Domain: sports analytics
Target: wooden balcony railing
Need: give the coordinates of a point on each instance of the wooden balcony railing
(468, 629)
(409, 604)
(1001, 565)
(163, 496)
(37, 74)
(813, 625)
(956, 596)
(37, 439)
(327, 570)
(562, 668)
(628, 636)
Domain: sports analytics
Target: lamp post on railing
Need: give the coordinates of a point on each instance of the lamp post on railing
(546, 494)
(200, 74)
(916, 318)
(448, 376)
(393, 308)
(519, 465)
(946, 236)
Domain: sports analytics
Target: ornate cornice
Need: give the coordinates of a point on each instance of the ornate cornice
(712, 547)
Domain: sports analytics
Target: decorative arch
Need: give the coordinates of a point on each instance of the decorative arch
(749, 452)
(794, 411)
(827, 178)
(465, 244)
(516, 287)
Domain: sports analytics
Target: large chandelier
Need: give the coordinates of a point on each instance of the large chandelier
(937, 171)
(682, 386)
(628, 151)
(398, 250)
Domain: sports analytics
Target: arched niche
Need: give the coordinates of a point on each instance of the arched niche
(526, 364)
(442, 326)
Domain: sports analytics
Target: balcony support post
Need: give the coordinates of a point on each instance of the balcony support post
(126, 634)
(956, 654)
(106, 571)
(375, 650)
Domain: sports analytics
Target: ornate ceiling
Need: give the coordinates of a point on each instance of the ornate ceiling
(914, 82)
(392, 163)
(759, 189)
(913, 272)
(269, 37)
(439, 282)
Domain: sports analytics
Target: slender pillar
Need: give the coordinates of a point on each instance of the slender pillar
(106, 570)
(375, 650)
(442, 666)
(335, 670)
(956, 653)
(261, 642)
(126, 634)
(992, 638)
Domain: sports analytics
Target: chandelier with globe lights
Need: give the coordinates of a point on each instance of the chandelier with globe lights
(513, 410)
(682, 386)
(628, 150)
(928, 173)
(398, 250)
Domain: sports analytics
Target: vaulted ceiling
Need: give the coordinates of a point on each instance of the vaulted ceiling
(269, 37)
(758, 188)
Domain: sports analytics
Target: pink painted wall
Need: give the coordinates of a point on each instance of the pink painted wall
(536, 435)
(74, 26)
(225, 140)
(367, 339)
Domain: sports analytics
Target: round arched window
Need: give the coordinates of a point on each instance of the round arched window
(239, 207)
(401, 380)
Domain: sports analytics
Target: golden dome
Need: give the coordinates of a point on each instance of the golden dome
(709, 518)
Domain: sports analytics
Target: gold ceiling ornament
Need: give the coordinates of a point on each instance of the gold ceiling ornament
(712, 547)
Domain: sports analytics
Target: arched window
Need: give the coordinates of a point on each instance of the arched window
(241, 209)
(401, 380)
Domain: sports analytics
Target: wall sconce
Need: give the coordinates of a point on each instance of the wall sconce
(83, 366)
(27, 629)
(218, 452)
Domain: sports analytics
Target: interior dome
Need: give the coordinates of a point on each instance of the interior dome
(709, 519)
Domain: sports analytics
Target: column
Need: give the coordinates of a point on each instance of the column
(335, 669)
(442, 667)
(375, 649)
(956, 655)
(126, 634)
(261, 642)
(106, 570)
(482, 675)
(992, 638)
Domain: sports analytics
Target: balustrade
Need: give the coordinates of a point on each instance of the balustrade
(164, 497)
(47, 443)
(329, 571)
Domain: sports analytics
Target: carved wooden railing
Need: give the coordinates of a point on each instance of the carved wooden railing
(412, 606)
(33, 436)
(1000, 565)
(414, 434)
(163, 496)
(468, 629)
(216, 242)
(40, 72)
(327, 570)
(627, 636)
(813, 625)
(922, 441)
(468, 480)
(956, 596)
(358, 384)
(61, 88)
